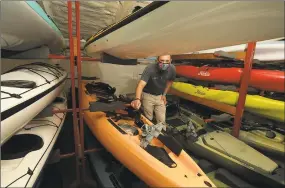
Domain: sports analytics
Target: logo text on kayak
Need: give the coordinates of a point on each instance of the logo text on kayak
(204, 73)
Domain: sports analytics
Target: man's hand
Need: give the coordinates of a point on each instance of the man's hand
(163, 98)
(136, 104)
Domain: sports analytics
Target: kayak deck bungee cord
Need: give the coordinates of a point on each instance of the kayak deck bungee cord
(24, 155)
(22, 100)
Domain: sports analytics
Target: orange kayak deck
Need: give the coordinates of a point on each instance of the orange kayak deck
(126, 148)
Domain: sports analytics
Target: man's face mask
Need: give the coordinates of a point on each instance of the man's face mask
(163, 65)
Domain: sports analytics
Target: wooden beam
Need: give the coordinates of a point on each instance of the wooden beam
(245, 79)
(208, 56)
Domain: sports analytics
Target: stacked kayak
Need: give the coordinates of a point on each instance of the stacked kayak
(225, 150)
(24, 155)
(25, 91)
(263, 139)
(198, 18)
(259, 139)
(25, 26)
(156, 159)
(269, 80)
(272, 50)
(269, 108)
(262, 135)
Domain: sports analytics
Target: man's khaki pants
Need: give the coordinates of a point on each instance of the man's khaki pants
(153, 103)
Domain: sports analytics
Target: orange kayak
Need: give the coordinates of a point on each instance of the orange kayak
(268, 80)
(125, 146)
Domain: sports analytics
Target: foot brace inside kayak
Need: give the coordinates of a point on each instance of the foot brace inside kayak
(161, 155)
(20, 145)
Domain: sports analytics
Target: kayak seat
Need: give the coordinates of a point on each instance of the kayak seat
(175, 122)
(161, 155)
(19, 83)
(20, 145)
(172, 109)
(129, 129)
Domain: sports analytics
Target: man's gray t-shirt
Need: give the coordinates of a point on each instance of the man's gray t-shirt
(156, 80)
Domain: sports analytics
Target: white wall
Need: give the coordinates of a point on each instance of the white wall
(123, 77)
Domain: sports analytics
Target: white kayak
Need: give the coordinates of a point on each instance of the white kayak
(25, 25)
(25, 154)
(25, 91)
(265, 51)
(178, 27)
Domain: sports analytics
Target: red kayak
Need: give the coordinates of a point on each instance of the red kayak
(268, 80)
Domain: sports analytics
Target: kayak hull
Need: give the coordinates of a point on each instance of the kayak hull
(234, 166)
(271, 50)
(198, 18)
(17, 112)
(33, 30)
(259, 141)
(45, 128)
(125, 148)
(269, 108)
(230, 153)
(269, 80)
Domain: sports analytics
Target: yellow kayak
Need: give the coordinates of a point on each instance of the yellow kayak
(272, 109)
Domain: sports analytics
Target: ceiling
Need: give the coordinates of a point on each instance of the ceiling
(94, 15)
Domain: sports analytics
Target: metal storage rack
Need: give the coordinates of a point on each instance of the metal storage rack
(79, 153)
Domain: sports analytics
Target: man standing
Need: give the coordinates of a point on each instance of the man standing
(153, 86)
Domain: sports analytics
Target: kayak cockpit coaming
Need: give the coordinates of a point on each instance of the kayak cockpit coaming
(30, 166)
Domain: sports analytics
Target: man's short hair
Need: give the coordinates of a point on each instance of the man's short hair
(162, 55)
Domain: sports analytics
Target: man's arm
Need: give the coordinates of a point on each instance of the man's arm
(139, 89)
(168, 85)
(142, 83)
(170, 81)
